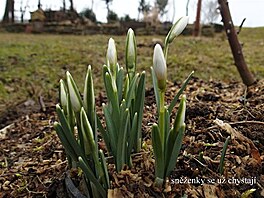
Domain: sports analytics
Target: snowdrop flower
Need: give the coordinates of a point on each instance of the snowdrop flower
(63, 95)
(111, 56)
(160, 67)
(177, 28)
(131, 52)
(74, 93)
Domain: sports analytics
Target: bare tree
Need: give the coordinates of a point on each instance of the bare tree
(23, 10)
(9, 15)
(107, 2)
(210, 12)
(196, 30)
(63, 5)
(162, 4)
(143, 7)
(235, 46)
(71, 5)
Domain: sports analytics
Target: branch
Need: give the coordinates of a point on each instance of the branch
(240, 27)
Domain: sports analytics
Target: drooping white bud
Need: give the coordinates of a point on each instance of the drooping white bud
(177, 28)
(75, 97)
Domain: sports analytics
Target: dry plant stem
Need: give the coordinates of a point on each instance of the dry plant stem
(235, 46)
(234, 123)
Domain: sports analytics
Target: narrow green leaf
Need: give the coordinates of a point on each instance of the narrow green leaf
(167, 123)
(222, 159)
(104, 134)
(112, 94)
(175, 99)
(156, 89)
(158, 152)
(68, 133)
(133, 134)
(105, 170)
(119, 83)
(121, 143)
(88, 98)
(90, 175)
(89, 143)
(180, 116)
(68, 147)
(70, 114)
(174, 132)
(172, 159)
(111, 129)
(139, 108)
(126, 86)
(131, 91)
(122, 112)
(247, 193)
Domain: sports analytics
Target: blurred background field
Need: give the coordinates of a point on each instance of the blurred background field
(31, 65)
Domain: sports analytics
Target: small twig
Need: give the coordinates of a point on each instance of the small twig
(241, 25)
(42, 104)
(204, 165)
(234, 123)
(56, 165)
(132, 155)
(247, 122)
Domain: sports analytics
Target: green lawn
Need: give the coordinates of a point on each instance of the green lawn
(32, 65)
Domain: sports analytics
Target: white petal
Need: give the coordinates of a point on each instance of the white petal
(111, 52)
(159, 63)
(178, 27)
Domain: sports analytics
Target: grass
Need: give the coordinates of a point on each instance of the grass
(32, 65)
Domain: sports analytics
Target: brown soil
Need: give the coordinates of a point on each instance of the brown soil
(33, 164)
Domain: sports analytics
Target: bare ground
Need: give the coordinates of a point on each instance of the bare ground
(33, 164)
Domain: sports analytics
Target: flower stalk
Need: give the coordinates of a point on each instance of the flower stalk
(167, 140)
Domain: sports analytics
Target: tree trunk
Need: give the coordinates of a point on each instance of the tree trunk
(196, 30)
(235, 46)
(71, 5)
(12, 10)
(9, 10)
(64, 5)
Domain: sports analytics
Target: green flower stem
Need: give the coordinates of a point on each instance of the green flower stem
(162, 117)
(166, 49)
(79, 129)
(97, 165)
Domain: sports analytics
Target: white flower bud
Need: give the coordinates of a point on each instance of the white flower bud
(74, 94)
(63, 95)
(111, 55)
(177, 28)
(160, 67)
(131, 52)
